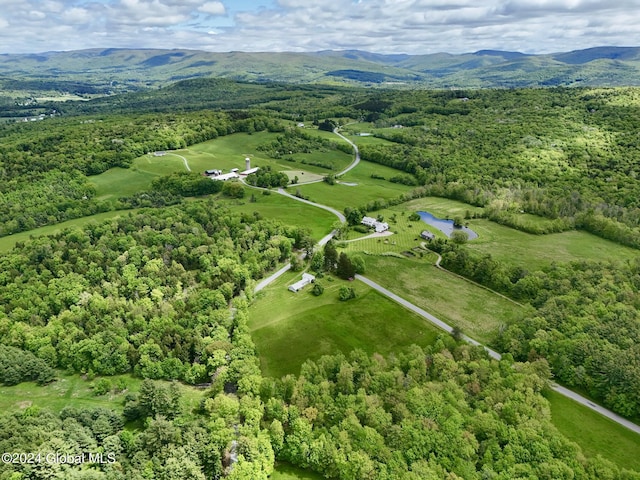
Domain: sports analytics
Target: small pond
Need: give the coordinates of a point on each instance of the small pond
(445, 226)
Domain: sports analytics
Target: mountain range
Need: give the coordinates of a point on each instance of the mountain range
(110, 70)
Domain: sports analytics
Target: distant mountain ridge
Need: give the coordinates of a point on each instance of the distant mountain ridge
(114, 69)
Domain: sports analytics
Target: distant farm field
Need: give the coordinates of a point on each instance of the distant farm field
(223, 153)
(8, 242)
(514, 246)
(478, 312)
(289, 328)
(356, 187)
(286, 210)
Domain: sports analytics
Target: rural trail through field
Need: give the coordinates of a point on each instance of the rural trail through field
(186, 163)
(356, 159)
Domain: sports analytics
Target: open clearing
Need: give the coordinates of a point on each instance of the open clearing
(286, 210)
(74, 390)
(595, 434)
(289, 328)
(478, 312)
(342, 195)
(223, 153)
(502, 243)
(7, 243)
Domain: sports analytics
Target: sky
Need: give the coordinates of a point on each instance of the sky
(381, 26)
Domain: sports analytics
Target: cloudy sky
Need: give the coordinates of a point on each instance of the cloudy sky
(383, 26)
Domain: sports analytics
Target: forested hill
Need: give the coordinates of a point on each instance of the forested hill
(102, 71)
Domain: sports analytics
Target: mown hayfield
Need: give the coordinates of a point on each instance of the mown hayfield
(223, 153)
(534, 251)
(356, 187)
(477, 311)
(289, 328)
(596, 435)
(121, 182)
(514, 246)
(285, 210)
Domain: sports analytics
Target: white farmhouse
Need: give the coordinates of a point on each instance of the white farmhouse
(372, 222)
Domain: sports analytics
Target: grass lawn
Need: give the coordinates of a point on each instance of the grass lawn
(356, 187)
(475, 310)
(289, 328)
(594, 433)
(513, 246)
(285, 471)
(68, 390)
(8, 242)
(286, 210)
(74, 390)
(534, 251)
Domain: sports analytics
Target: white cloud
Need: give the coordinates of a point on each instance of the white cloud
(212, 8)
(386, 26)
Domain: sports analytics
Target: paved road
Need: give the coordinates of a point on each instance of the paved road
(342, 218)
(423, 313)
(434, 320)
(596, 408)
(266, 281)
(356, 152)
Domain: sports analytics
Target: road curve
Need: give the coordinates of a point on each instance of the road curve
(434, 320)
(342, 218)
(356, 152)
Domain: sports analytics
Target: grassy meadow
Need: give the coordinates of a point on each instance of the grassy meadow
(289, 328)
(356, 187)
(75, 390)
(502, 243)
(477, 311)
(595, 434)
(286, 210)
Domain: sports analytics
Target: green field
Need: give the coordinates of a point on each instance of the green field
(7, 243)
(289, 328)
(76, 391)
(477, 311)
(595, 434)
(67, 390)
(534, 251)
(286, 210)
(356, 187)
(223, 153)
(503, 243)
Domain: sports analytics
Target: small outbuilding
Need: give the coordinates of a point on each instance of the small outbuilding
(427, 235)
(307, 278)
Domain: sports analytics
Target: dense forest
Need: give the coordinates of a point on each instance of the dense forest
(563, 154)
(163, 293)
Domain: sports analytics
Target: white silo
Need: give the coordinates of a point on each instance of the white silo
(247, 163)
